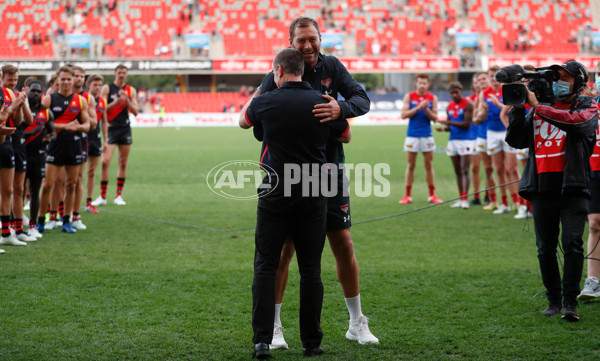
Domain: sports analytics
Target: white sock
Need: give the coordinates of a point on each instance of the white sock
(277, 314)
(353, 304)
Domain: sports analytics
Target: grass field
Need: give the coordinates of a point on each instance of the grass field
(144, 282)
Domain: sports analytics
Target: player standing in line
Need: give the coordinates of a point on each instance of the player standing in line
(94, 84)
(121, 99)
(7, 162)
(71, 116)
(461, 144)
(421, 107)
(490, 196)
(475, 159)
(37, 135)
(10, 78)
(503, 155)
(78, 81)
(11, 113)
(330, 77)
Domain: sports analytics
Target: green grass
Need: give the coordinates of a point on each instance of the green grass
(438, 284)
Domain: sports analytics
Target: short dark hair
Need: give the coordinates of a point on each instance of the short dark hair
(94, 77)
(65, 69)
(423, 76)
(291, 60)
(9, 69)
(121, 66)
(455, 85)
(78, 68)
(303, 22)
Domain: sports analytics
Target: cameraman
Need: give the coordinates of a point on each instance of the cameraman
(561, 135)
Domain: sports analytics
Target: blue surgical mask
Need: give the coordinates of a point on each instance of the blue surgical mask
(561, 89)
(597, 82)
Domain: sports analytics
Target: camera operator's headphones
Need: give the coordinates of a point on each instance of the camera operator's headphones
(578, 71)
(580, 79)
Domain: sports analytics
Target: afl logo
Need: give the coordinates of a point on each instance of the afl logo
(241, 180)
(57, 109)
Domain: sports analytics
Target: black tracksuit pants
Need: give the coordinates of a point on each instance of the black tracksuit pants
(304, 219)
(550, 212)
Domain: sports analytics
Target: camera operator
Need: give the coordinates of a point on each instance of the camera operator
(561, 138)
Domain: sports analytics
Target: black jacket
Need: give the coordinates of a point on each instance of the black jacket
(580, 123)
(329, 77)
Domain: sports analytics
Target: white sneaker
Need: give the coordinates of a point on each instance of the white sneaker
(50, 225)
(26, 207)
(456, 204)
(33, 232)
(502, 209)
(360, 332)
(464, 204)
(59, 223)
(11, 241)
(25, 238)
(278, 340)
(99, 201)
(78, 224)
(591, 289)
(522, 213)
(119, 201)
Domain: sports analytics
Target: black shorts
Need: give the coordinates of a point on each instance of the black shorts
(594, 205)
(94, 146)
(119, 135)
(338, 207)
(7, 155)
(64, 152)
(20, 157)
(36, 164)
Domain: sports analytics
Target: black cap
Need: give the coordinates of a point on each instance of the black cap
(572, 67)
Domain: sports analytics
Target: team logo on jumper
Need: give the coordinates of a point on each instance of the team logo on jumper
(344, 208)
(242, 179)
(326, 82)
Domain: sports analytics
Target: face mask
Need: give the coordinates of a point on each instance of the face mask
(597, 81)
(561, 89)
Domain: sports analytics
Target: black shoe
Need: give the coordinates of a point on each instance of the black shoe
(487, 200)
(552, 310)
(570, 314)
(261, 351)
(475, 202)
(313, 351)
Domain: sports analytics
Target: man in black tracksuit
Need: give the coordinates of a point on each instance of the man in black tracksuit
(329, 76)
(293, 136)
(560, 138)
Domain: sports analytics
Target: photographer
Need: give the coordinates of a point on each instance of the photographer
(560, 136)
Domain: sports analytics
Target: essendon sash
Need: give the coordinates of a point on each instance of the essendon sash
(119, 115)
(100, 108)
(41, 118)
(66, 109)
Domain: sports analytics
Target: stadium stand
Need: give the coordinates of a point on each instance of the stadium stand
(150, 28)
